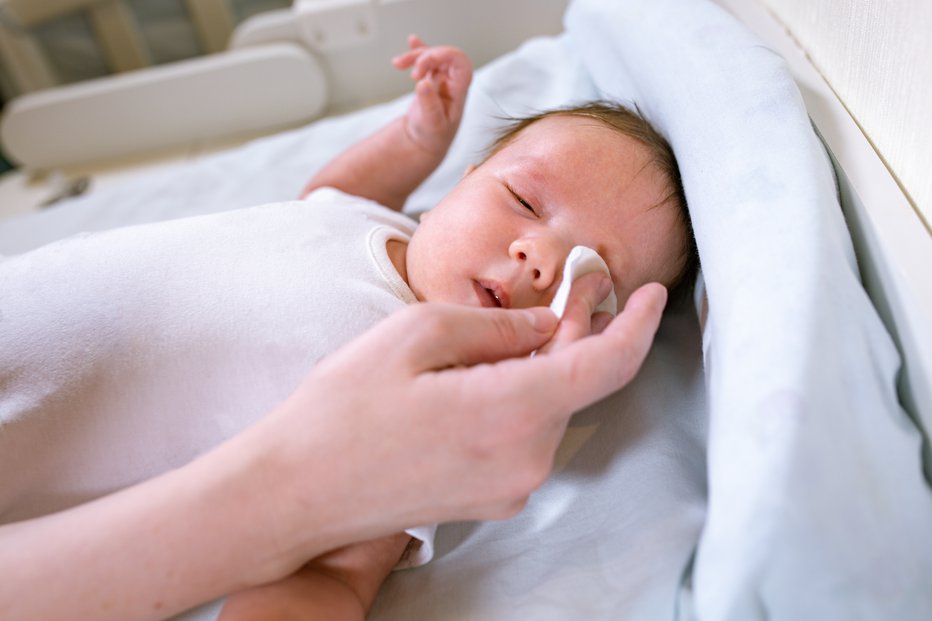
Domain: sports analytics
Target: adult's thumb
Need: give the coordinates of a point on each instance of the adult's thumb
(445, 335)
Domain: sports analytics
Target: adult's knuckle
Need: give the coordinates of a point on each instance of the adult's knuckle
(524, 480)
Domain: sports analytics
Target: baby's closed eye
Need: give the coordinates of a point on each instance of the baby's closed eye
(522, 201)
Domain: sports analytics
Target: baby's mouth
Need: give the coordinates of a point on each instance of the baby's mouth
(489, 297)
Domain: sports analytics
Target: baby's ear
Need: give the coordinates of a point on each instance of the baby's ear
(469, 169)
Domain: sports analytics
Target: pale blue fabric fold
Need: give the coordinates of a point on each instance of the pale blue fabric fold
(817, 504)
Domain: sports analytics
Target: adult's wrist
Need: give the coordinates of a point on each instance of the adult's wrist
(284, 473)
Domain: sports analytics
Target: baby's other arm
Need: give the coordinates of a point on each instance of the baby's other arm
(337, 586)
(390, 164)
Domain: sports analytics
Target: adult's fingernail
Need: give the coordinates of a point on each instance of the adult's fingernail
(605, 287)
(651, 293)
(541, 318)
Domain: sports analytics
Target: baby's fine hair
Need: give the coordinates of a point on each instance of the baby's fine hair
(632, 124)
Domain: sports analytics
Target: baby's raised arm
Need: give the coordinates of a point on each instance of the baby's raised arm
(390, 164)
(442, 77)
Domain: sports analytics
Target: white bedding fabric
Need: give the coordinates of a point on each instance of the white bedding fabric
(816, 508)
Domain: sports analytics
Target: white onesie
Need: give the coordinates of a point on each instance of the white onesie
(127, 353)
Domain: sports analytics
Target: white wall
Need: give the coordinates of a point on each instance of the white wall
(877, 56)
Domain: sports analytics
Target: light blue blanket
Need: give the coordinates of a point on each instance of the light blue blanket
(817, 504)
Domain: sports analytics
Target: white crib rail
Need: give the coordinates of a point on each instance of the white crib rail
(182, 104)
(346, 47)
(115, 29)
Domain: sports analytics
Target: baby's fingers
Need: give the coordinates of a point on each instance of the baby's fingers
(450, 65)
(445, 58)
(431, 104)
(406, 59)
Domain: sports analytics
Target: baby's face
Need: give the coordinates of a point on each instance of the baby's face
(501, 237)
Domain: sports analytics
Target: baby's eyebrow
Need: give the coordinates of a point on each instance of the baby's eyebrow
(532, 166)
(529, 180)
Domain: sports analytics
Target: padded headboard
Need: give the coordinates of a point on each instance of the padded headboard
(876, 56)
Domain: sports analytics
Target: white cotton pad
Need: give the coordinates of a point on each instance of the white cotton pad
(580, 261)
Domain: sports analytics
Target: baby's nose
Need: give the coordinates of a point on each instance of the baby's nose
(540, 259)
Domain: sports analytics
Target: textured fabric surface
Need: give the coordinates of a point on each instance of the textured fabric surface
(873, 54)
(817, 506)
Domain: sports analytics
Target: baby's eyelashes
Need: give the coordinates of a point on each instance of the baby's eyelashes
(526, 205)
(522, 201)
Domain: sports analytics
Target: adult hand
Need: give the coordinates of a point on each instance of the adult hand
(435, 414)
(438, 414)
(579, 317)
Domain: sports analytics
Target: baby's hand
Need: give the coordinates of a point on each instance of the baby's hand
(443, 75)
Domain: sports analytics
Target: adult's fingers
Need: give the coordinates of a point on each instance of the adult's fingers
(445, 335)
(600, 321)
(586, 294)
(592, 368)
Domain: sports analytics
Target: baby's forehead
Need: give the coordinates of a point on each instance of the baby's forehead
(573, 136)
(582, 154)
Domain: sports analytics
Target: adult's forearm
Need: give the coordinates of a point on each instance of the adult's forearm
(385, 433)
(153, 550)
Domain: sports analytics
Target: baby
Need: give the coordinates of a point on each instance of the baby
(596, 175)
